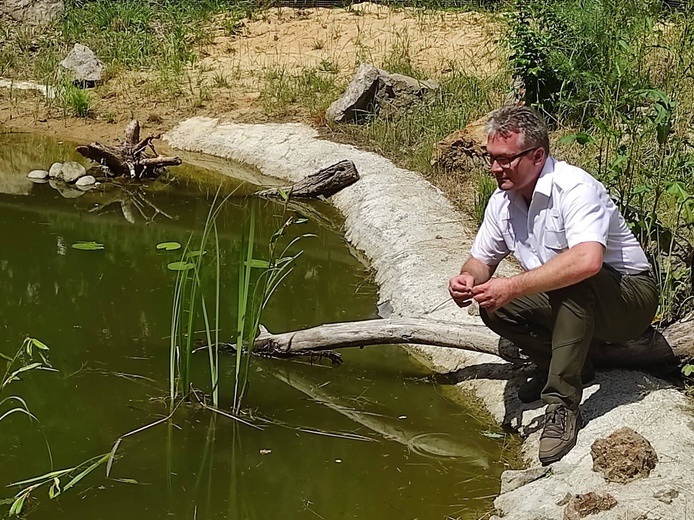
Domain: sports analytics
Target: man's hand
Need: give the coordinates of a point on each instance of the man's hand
(460, 288)
(494, 294)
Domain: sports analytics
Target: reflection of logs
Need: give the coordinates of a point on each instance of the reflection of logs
(674, 345)
(324, 183)
(131, 201)
(129, 158)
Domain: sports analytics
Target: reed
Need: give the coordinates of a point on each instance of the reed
(198, 271)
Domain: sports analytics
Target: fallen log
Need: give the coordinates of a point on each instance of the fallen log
(324, 183)
(671, 347)
(129, 159)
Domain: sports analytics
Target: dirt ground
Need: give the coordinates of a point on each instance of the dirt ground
(283, 40)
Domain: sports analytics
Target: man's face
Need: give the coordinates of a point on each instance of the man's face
(514, 167)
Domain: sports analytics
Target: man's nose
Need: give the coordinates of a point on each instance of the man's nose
(495, 168)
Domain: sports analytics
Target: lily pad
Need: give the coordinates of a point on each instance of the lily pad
(87, 246)
(169, 246)
(180, 266)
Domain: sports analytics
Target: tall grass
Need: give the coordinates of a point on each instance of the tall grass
(258, 279)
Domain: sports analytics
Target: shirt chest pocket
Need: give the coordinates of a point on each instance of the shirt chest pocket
(555, 234)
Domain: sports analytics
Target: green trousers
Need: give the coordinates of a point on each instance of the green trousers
(555, 329)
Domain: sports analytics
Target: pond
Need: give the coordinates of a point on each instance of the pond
(373, 438)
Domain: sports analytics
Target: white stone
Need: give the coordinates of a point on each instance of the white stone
(85, 182)
(54, 170)
(38, 175)
(83, 64)
(71, 171)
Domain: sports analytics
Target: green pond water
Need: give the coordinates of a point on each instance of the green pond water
(106, 317)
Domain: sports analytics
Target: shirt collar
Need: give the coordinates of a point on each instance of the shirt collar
(543, 186)
(545, 180)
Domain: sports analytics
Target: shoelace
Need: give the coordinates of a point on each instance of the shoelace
(555, 423)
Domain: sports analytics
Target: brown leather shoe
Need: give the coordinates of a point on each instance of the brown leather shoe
(559, 433)
(531, 390)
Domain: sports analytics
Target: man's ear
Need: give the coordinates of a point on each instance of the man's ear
(539, 156)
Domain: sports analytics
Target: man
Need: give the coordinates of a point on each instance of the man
(586, 277)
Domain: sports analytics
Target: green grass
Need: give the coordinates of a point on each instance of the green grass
(312, 89)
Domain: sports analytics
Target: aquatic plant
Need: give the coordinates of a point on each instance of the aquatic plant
(258, 279)
(272, 272)
(21, 363)
(53, 480)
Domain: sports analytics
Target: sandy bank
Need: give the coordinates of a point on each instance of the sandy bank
(415, 241)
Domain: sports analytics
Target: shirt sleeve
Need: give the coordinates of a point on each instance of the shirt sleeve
(586, 218)
(489, 246)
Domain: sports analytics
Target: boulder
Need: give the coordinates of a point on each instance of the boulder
(462, 149)
(85, 67)
(38, 175)
(71, 171)
(86, 182)
(396, 92)
(54, 170)
(374, 90)
(35, 12)
(623, 456)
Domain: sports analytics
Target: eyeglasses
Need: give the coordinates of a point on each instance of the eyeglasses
(505, 162)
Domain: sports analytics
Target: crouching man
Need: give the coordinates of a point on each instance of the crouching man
(585, 275)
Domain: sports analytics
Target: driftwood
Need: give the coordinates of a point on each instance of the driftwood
(671, 347)
(129, 159)
(324, 183)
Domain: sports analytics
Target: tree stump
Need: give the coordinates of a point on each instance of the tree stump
(129, 158)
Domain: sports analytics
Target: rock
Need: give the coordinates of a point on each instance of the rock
(463, 148)
(84, 65)
(86, 182)
(623, 456)
(373, 90)
(396, 92)
(358, 99)
(35, 12)
(513, 479)
(666, 496)
(54, 170)
(580, 506)
(65, 190)
(38, 175)
(71, 171)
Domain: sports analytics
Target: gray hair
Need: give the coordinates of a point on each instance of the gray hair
(521, 120)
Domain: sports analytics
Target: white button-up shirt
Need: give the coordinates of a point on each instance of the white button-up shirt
(568, 207)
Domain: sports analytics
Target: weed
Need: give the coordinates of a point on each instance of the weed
(75, 100)
(220, 80)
